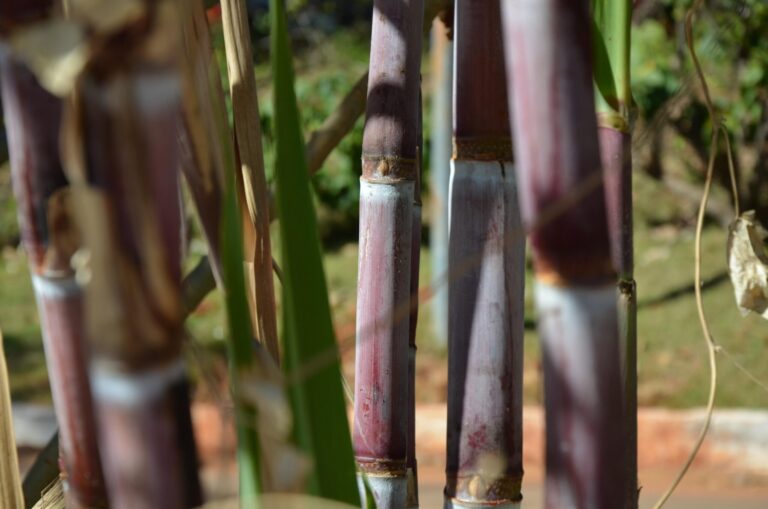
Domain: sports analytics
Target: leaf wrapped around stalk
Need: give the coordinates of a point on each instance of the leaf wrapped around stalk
(204, 135)
(251, 180)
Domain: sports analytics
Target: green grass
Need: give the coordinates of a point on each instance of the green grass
(21, 330)
(672, 362)
(9, 230)
(673, 367)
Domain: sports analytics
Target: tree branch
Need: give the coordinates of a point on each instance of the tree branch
(322, 141)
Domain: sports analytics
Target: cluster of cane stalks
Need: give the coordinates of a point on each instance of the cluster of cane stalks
(111, 106)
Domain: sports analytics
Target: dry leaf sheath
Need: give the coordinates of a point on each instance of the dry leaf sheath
(251, 182)
(204, 135)
(11, 496)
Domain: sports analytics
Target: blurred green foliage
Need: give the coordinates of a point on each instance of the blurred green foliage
(9, 228)
(730, 42)
(729, 37)
(655, 73)
(324, 74)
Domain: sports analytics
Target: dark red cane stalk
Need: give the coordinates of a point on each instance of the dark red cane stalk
(613, 98)
(32, 119)
(558, 160)
(487, 264)
(412, 472)
(121, 146)
(386, 217)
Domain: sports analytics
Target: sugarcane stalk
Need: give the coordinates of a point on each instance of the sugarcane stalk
(121, 150)
(549, 61)
(32, 118)
(412, 495)
(486, 264)
(45, 470)
(440, 164)
(205, 190)
(387, 189)
(613, 98)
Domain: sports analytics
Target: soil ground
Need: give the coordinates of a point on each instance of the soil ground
(731, 471)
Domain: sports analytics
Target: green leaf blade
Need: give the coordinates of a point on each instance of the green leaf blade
(311, 355)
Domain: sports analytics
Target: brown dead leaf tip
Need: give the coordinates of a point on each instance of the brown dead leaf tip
(748, 264)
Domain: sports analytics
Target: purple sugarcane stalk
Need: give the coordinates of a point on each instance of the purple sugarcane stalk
(32, 118)
(412, 471)
(386, 217)
(486, 267)
(549, 62)
(129, 216)
(616, 157)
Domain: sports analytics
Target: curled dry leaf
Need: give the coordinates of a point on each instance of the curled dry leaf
(748, 264)
(56, 50)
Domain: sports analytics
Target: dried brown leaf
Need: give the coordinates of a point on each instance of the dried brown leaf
(748, 264)
(53, 497)
(56, 50)
(204, 133)
(10, 482)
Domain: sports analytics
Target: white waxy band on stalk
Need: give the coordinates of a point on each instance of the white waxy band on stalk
(133, 388)
(452, 503)
(55, 288)
(388, 491)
